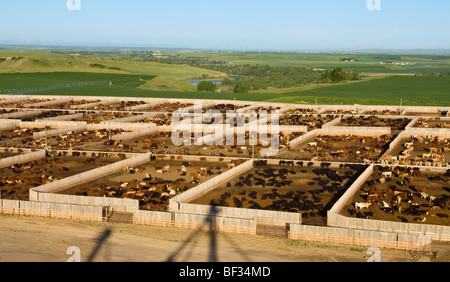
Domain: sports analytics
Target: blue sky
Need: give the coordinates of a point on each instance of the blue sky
(232, 24)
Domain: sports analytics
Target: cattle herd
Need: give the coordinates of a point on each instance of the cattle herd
(404, 194)
(290, 186)
(374, 121)
(16, 180)
(153, 183)
(342, 148)
(421, 151)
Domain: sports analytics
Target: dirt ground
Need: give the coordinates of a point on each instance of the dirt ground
(30, 239)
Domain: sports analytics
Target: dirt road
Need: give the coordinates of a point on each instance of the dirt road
(32, 239)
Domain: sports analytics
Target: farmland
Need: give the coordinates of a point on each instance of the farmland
(131, 75)
(389, 90)
(385, 91)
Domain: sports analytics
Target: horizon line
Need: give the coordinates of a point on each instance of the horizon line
(217, 49)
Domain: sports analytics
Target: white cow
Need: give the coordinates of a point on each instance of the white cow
(360, 206)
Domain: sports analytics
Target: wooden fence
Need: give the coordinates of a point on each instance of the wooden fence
(263, 217)
(48, 103)
(357, 237)
(22, 158)
(67, 117)
(58, 131)
(436, 232)
(339, 205)
(55, 210)
(21, 114)
(356, 130)
(114, 204)
(6, 124)
(195, 221)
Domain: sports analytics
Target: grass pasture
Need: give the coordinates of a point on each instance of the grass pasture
(165, 83)
(28, 61)
(417, 91)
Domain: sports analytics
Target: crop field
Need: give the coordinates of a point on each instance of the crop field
(390, 90)
(361, 62)
(384, 91)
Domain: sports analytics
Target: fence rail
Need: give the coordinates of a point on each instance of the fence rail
(436, 232)
(195, 221)
(357, 237)
(55, 210)
(23, 158)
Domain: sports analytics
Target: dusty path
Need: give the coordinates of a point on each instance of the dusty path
(28, 239)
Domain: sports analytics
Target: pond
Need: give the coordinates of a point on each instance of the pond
(213, 81)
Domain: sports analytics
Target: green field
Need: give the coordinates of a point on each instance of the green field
(383, 91)
(169, 84)
(44, 79)
(367, 63)
(130, 76)
(40, 61)
(390, 90)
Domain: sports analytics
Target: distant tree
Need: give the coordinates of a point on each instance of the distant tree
(206, 86)
(355, 76)
(226, 81)
(240, 88)
(338, 75)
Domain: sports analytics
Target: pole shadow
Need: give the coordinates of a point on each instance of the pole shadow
(212, 233)
(100, 241)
